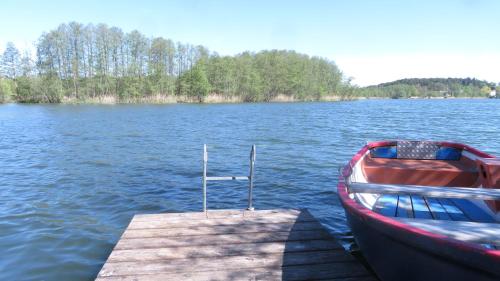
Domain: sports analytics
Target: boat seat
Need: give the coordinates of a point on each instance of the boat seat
(485, 233)
(420, 172)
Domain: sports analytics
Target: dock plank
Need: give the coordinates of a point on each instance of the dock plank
(221, 250)
(217, 239)
(230, 245)
(224, 214)
(166, 223)
(220, 229)
(224, 263)
(331, 271)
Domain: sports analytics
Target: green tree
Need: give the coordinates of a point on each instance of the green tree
(194, 83)
(7, 89)
(485, 90)
(199, 83)
(24, 90)
(10, 61)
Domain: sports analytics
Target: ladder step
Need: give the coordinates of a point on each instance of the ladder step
(227, 178)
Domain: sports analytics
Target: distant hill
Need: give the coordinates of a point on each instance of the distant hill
(429, 87)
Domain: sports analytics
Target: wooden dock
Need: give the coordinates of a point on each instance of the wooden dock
(230, 245)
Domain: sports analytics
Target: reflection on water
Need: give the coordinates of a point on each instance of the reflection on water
(73, 176)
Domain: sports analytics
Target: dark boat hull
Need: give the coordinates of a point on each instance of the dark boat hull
(393, 259)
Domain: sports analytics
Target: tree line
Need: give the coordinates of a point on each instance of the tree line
(80, 63)
(430, 87)
(77, 62)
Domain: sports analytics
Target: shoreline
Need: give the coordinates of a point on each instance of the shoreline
(209, 99)
(169, 99)
(217, 99)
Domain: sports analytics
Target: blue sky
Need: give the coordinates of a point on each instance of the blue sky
(371, 41)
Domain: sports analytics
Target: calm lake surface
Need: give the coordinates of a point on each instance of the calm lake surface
(72, 176)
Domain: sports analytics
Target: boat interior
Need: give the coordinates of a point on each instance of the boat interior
(429, 164)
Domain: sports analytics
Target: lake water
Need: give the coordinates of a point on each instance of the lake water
(72, 176)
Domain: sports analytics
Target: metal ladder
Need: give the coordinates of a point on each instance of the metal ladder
(250, 177)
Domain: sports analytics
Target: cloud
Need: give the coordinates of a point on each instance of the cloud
(21, 45)
(371, 70)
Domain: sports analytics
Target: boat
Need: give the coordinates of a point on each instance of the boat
(424, 210)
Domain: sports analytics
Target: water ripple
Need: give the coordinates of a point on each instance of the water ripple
(72, 179)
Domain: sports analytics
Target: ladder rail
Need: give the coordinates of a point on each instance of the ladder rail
(250, 177)
(205, 160)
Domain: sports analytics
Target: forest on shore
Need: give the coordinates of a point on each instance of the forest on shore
(430, 88)
(102, 64)
(94, 63)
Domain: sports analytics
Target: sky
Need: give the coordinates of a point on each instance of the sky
(370, 41)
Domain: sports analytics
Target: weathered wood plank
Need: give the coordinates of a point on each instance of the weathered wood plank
(277, 213)
(216, 251)
(300, 272)
(427, 191)
(223, 263)
(221, 229)
(218, 239)
(190, 215)
(165, 223)
(226, 214)
(249, 274)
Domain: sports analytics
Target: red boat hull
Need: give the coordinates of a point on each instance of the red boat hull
(397, 251)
